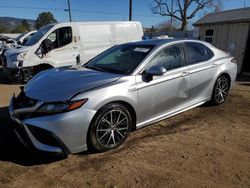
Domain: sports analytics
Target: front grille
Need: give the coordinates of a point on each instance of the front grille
(23, 136)
(22, 101)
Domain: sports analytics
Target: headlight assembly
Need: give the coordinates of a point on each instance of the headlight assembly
(18, 57)
(54, 108)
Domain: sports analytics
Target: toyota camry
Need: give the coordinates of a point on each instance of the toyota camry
(127, 87)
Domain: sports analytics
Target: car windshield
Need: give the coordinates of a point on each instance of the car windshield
(38, 35)
(121, 59)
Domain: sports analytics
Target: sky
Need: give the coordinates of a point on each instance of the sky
(95, 10)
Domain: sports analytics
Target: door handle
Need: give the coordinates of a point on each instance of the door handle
(185, 74)
(214, 65)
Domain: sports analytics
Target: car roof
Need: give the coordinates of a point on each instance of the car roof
(160, 42)
(154, 42)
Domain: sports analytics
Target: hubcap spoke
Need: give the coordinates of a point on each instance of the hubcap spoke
(121, 121)
(103, 135)
(104, 119)
(113, 137)
(119, 133)
(109, 140)
(118, 118)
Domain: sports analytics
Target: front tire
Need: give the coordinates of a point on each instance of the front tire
(221, 89)
(110, 127)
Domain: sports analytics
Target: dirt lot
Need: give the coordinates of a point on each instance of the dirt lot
(203, 147)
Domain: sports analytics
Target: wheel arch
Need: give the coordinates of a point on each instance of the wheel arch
(124, 103)
(130, 108)
(43, 66)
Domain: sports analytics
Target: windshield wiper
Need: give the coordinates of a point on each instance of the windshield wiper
(96, 68)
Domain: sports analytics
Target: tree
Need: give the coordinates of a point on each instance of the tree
(183, 10)
(26, 25)
(45, 18)
(19, 29)
(166, 26)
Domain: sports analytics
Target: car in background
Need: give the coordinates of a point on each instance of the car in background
(8, 43)
(127, 87)
(62, 44)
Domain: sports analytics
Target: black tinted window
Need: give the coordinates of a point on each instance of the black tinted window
(60, 37)
(196, 52)
(169, 58)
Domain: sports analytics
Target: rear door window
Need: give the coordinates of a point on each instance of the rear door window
(196, 53)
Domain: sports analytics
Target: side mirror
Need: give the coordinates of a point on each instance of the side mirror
(147, 75)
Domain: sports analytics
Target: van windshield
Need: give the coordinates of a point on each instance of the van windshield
(38, 35)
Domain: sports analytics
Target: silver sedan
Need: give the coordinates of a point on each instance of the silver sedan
(127, 87)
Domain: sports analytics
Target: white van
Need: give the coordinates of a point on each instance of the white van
(57, 45)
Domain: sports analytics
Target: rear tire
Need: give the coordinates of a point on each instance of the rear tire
(221, 89)
(110, 127)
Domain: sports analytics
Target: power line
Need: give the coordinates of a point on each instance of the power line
(77, 10)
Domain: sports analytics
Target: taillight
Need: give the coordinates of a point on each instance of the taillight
(234, 60)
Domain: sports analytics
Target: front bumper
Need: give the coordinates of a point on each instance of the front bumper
(61, 134)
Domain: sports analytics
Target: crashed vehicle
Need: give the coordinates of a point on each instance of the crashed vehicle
(8, 43)
(127, 87)
(62, 44)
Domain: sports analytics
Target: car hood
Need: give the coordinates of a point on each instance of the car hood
(62, 84)
(17, 50)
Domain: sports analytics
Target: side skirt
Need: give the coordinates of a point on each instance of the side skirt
(169, 114)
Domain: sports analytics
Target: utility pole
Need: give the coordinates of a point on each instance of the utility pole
(130, 10)
(171, 16)
(69, 10)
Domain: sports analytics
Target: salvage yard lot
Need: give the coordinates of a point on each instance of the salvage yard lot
(203, 147)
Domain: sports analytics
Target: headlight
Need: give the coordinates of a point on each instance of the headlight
(54, 108)
(18, 57)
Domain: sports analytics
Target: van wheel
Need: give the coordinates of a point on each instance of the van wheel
(110, 127)
(221, 89)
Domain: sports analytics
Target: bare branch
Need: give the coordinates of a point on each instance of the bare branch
(182, 8)
(200, 5)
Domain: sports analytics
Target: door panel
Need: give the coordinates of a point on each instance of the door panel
(65, 56)
(202, 69)
(202, 76)
(64, 49)
(163, 94)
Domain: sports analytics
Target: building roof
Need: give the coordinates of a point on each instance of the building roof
(228, 16)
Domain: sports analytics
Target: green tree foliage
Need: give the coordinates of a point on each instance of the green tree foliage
(3, 29)
(26, 25)
(45, 18)
(19, 29)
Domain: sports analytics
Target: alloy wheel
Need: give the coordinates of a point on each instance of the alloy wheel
(221, 90)
(112, 129)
